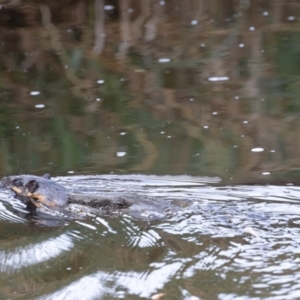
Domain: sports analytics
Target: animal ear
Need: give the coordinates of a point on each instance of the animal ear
(47, 176)
(32, 185)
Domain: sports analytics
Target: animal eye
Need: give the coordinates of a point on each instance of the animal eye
(17, 182)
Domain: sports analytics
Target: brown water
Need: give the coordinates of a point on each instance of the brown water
(203, 88)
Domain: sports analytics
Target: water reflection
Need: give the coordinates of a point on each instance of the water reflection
(196, 87)
(26, 256)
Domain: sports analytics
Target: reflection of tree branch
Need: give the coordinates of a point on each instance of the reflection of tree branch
(125, 27)
(99, 27)
(58, 48)
(30, 59)
(137, 24)
(151, 24)
(151, 153)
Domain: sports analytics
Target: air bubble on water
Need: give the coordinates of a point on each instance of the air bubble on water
(218, 78)
(109, 7)
(164, 60)
(120, 153)
(291, 18)
(39, 106)
(34, 93)
(257, 149)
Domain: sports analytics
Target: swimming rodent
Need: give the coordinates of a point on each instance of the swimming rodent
(37, 191)
(40, 192)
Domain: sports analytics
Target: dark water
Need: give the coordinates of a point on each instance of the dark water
(194, 88)
(233, 242)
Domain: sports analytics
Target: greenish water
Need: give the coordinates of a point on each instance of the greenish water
(197, 88)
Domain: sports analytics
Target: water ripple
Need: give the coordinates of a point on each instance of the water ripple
(34, 254)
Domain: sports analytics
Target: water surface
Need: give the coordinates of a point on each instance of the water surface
(228, 242)
(208, 89)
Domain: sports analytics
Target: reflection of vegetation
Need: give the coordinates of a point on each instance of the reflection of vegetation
(174, 119)
(287, 53)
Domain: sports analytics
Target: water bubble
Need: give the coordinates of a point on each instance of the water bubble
(101, 81)
(265, 13)
(120, 153)
(265, 173)
(218, 78)
(241, 45)
(164, 60)
(34, 93)
(194, 22)
(251, 28)
(109, 7)
(39, 106)
(291, 18)
(257, 149)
